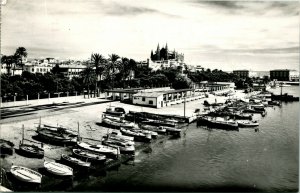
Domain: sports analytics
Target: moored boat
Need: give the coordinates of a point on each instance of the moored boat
(119, 111)
(56, 137)
(103, 149)
(120, 138)
(90, 156)
(213, 122)
(31, 150)
(6, 147)
(158, 129)
(138, 136)
(26, 175)
(58, 169)
(124, 147)
(74, 161)
(248, 123)
(117, 123)
(173, 130)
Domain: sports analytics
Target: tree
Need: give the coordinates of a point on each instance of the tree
(19, 54)
(99, 62)
(112, 66)
(88, 75)
(124, 69)
(9, 61)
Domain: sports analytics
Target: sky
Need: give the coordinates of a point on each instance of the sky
(227, 35)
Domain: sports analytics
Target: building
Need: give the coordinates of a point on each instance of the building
(284, 75)
(241, 73)
(71, 70)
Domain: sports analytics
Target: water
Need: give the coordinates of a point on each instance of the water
(216, 160)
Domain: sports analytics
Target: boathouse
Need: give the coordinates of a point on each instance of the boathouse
(161, 99)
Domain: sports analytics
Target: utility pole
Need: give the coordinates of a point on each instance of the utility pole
(184, 107)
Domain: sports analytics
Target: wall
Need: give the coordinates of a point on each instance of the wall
(139, 100)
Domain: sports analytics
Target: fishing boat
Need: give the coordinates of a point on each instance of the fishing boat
(119, 111)
(120, 138)
(172, 130)
(59, 129)
(58, 169)
(90, 156)
(217, 123)
(6, 147)
(158, 129)
(124, 147)
(74, 161)
(138, 136)
(248, 123)
(159, 123)
(146, 132)
(103, 149)
(31, 150)
(56, 136)
(117, 122)
(26, 175)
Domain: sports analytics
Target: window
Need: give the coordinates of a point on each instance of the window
(32, 69)
(151, 102)
(143, 99)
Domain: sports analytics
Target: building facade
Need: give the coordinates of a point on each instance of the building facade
(284, 75)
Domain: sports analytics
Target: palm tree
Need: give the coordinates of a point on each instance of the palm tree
(112, 66)
(124, 69)
(99, 62)
(20, 53)
(88, 75)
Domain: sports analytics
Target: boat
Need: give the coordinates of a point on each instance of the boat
(6, 147)
(103, 149)
(4, 189)
(277, 103)
(31, 150)
(248, 123)
(284, 85)
(74, 161)
(119, 111)
(159, 123)
(146, 132)
(117, 123)
(158, 129)
(124, 147)
(138, 136)
(120, 138)
(90, 156)
(26, 175)
(172, 130)
(59, 129)
(213, 122)
(58, 169)
(56, 136)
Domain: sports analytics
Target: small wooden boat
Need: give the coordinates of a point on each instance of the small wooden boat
(248, 123)
(90, 156)
(158, 129)
(58, 169)
(119, 111)
(31, 150)
(173, 130)
(120, 138)
(221, 124)
(117, 123)
(159, 123)
(74, 161)
(56, 137)
(103, 149)
(26, 175)
(152, 133)
(138, 136)
(124, 147)
(60, 129)
(6, 147)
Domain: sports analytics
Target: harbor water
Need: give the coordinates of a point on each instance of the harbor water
(216, 160)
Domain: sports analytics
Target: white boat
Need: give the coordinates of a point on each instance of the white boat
(248, 123)
(158, 129)
(58, 169)
(103, 149)
(26, 175)
(124, 147)
(119, 138)
(91, 156)
(138, 136)
(119, 111)
(74, 161)
(117, 123)
(4, 189)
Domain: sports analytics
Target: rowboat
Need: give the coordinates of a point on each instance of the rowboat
(158, 129)
(31, 150)
(4, 189)
(138, 136)
(26, 175)
(56, 136)
(103, 149)
(58, 169)
(74, 161)
(90, 156)
(117, 123)
(120, 138)
(172, 130)
(124, 147)
(248, 123)
(6, 147)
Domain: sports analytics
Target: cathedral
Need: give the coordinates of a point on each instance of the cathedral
(164, 54)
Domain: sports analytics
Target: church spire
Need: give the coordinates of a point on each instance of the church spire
(158, 52)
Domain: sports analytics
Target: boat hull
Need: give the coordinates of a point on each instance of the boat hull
(26, 175)
(58, 169)
(90, 156)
